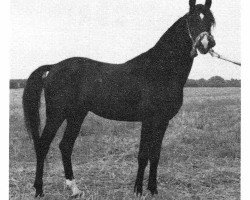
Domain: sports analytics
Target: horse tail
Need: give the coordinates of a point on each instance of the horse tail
(31, 102)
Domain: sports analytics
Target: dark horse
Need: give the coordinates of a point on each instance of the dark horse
(147, 88)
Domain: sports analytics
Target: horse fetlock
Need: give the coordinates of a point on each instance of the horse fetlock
(152, 184)
(39, 189)
(39, 193)
(138, 188)
(153, 189)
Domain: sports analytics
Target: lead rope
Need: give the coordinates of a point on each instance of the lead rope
(214, 54)
(193, 52)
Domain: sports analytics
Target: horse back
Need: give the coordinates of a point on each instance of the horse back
(106, 89)
(112, 91)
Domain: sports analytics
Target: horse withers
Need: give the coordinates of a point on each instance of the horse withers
(147, 88)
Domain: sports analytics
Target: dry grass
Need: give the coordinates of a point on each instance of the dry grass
(200, 156)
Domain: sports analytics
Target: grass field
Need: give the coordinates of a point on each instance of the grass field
(200, 156)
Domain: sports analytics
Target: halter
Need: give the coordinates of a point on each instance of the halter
(193, 52)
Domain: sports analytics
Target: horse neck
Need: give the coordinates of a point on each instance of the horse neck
(174, 49)
(170, 57)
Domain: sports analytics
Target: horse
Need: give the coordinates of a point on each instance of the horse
(147, 88)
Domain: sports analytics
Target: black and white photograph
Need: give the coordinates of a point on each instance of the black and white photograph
(125, 100)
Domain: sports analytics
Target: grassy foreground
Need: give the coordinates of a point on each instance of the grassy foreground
(200, 156)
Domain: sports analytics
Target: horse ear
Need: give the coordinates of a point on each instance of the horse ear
(208, 3)
(192, 5)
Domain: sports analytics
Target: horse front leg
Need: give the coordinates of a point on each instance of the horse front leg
(159, 128)
(143, 155)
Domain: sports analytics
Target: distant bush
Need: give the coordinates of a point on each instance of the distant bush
(215, 81)
(17, 83)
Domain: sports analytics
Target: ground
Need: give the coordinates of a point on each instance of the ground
(200, 156)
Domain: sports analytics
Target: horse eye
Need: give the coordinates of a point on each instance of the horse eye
(202, 16)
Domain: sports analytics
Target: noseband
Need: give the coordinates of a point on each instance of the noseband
(195, 42)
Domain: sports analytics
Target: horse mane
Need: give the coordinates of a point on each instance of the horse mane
(172, 40)
(173, 36)
(175, 39)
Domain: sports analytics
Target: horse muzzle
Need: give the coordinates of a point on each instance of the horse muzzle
(206, 43)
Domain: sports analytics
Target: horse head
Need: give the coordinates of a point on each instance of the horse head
(200, 21)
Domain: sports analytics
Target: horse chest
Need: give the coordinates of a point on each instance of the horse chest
(166, 100)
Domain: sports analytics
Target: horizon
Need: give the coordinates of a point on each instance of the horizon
(187, 79)
(49, 32)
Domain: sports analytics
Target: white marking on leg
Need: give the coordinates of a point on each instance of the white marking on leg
(72, 185)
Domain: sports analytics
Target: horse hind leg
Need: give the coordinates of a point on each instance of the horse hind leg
(42, 148)
(66, 145)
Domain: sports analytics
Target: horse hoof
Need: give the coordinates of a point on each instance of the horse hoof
(153, 191)
(138, 190)
(39, 194)
(78, 195)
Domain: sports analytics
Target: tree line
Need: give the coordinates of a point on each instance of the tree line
(215, 81)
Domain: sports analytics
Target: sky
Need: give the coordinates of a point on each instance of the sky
(114, 31)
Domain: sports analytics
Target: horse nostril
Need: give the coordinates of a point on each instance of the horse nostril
(212, 43)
